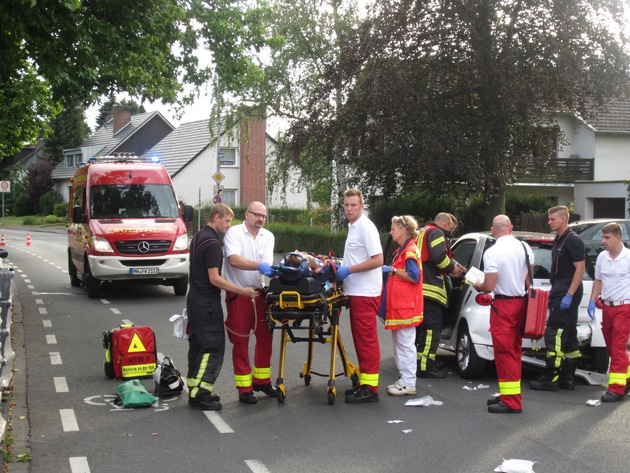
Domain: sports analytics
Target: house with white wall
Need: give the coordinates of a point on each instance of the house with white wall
(589, 166)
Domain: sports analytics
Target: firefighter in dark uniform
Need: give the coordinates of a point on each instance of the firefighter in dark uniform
(437, 260)
(206, 343)
(567, 269)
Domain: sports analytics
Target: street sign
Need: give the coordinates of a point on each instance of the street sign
(218, 177)
(5, 186)
(217, 189)
(217, 199)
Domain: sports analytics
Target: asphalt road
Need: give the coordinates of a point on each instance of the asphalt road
(72, 425)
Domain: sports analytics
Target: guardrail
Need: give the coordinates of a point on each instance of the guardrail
(6, 347)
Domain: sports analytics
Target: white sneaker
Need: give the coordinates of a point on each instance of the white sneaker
(398, 389)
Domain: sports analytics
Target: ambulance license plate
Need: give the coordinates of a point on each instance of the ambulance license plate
(143, 271)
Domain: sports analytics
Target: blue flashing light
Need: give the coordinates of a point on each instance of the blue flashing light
(92, 160)
(155, 159)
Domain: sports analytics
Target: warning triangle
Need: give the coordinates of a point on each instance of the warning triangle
(136, 345)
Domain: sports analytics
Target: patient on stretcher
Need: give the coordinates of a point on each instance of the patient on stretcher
(298, 265)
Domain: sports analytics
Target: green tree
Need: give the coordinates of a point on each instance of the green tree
(67, 51)
(39, 180)
(454, 96)
(69, 130)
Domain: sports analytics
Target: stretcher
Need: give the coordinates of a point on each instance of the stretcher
(309, 306)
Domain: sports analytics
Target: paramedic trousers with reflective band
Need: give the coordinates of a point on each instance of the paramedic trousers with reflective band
(428, 334)
(616, 330)
(206, 344)
(363, 312)
(506, 325)
(240, 322)
(561, 337)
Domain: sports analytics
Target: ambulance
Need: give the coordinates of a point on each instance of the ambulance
(125, 226)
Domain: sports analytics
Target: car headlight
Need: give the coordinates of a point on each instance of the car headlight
(101, 245)
(181, 243)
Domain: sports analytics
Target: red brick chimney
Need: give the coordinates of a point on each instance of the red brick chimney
(121, 118)
(253, 158)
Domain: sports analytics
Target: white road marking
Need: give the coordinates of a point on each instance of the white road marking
(55, 358)
(47, 323)
(51, 339)
(104, 301)
(39, 301)
(68, 420)
(43, 310)
(127, 322)
(218, 422)
(79, 465)
(27, 281)
(30, 286)
(256, 466)
(115, 311)
(61, 385)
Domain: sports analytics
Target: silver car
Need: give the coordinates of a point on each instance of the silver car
(467, 321)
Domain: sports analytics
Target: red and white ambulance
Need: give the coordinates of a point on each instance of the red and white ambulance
(125, 224)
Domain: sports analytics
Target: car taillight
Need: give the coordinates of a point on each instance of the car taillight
(483, 299)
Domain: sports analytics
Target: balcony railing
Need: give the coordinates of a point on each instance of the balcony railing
(556, 170)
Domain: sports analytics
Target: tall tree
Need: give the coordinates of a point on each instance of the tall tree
(107, 109)
(56, 52)
(453, 95)
(69, 130)
(39, 180)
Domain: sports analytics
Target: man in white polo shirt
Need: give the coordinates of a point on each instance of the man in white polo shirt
(362, 278)
(505, 271)
(248, 252)
(612, 281)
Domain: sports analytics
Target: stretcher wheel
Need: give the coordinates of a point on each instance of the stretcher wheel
(281, 393)
(307, 379)
(331, 396)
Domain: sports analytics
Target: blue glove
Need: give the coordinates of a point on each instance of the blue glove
(342, 272)
(565, 303)
(591, 310)
(386, 269)
(267, 270)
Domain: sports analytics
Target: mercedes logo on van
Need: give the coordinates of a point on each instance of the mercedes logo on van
(143, 246)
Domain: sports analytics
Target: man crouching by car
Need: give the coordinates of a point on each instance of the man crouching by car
(505, 273)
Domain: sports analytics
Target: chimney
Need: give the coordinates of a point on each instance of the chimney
(122, 117)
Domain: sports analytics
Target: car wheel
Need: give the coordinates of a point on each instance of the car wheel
(91, 284)
(72, 271)
(181, 286)
(469, 365)
(599, 359)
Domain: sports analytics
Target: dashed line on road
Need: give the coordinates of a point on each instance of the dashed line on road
(51, 339)
(79, 465)
(68, 420)
(115, 311)
(39, 301)
(61, 385)
(55, 358)
(256, 466)
(47, 323)
(43, 310)
(218, 422)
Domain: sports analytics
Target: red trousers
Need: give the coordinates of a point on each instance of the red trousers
(616, 329)
(506, 325)
(241, 320)
(363, 312)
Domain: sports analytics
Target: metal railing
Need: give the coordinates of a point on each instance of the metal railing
(556, 170)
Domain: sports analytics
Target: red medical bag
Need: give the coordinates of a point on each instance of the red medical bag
(130, 352)
(536, 317)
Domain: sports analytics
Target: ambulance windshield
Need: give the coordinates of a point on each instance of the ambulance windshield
(133, 201)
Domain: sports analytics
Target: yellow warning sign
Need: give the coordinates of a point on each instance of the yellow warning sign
(136, 345)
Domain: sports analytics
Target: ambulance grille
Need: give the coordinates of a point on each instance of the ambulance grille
(143, 247)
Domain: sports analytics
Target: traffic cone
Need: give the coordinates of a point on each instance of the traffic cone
(28, 239)
(2, 242)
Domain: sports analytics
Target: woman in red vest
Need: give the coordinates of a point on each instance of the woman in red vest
(402, 303)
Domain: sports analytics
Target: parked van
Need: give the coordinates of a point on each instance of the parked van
(125, 224)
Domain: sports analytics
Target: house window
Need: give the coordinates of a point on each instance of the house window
(74, 160)
(229, 197)
(227, 157)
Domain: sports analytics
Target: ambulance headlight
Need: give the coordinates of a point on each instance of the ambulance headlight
(101, 245)
(181, 243)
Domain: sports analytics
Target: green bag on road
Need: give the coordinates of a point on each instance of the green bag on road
(133, 394)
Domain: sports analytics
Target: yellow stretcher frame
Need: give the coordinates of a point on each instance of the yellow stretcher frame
(287, 311)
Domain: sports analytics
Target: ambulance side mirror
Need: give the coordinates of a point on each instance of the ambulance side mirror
(188, 213)
(77, 215)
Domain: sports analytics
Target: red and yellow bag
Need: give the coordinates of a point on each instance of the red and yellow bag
(130, 352)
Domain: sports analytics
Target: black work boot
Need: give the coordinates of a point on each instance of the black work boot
(567, 375)
(546, 382)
